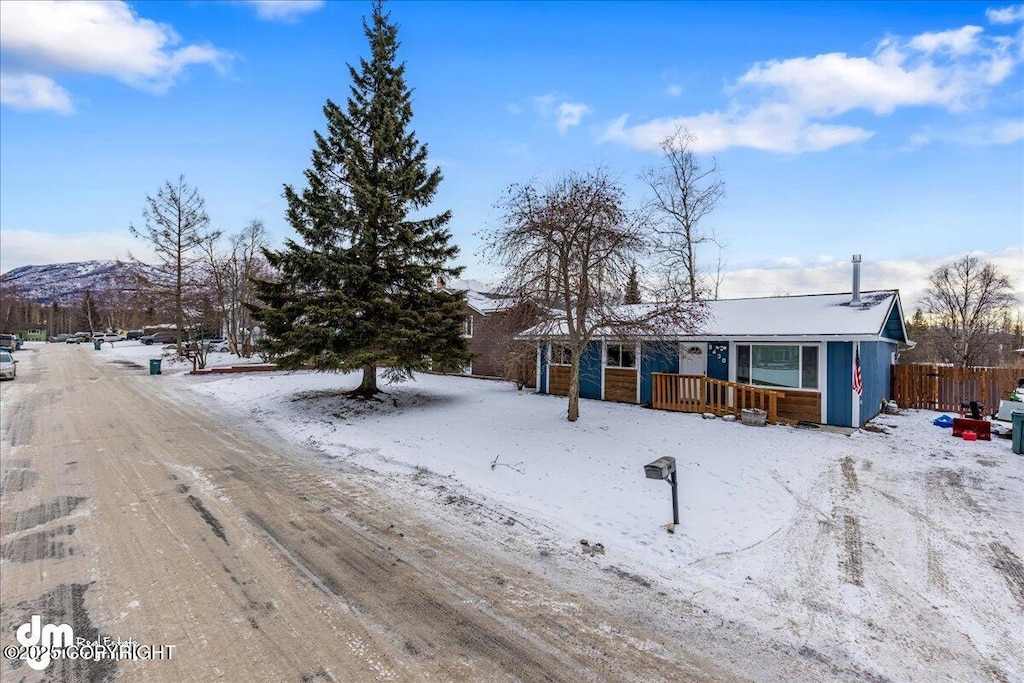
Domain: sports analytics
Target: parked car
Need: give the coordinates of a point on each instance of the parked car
(135, 334)
(60, 338)
(73, 339)
(8, 366)
(219, 345)
(159, 338)
(8, 342)
(107, 337)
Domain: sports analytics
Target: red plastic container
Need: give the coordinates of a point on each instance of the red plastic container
(970, 436)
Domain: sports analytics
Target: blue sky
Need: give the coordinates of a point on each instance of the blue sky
(895, 130)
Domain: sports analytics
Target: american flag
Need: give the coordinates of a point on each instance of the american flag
(858, 384)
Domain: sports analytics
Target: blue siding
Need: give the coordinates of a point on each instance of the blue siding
(894, 326)
(840, 384)
(542, 381)
(656, 357)
(875, 372)
(591, 371)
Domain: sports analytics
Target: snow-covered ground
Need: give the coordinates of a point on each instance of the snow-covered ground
(896, 549)
(136, 352)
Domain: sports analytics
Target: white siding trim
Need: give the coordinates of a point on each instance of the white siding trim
(639, 377)
(604, 359)
(823, 379)
(856, 398)
(540, 350)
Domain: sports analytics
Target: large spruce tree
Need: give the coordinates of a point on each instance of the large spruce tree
(359, 291)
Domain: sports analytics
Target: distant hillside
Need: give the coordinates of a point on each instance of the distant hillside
(66, 283)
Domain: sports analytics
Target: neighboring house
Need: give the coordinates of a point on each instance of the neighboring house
(492, 322)
(804, 346)
(36, 333)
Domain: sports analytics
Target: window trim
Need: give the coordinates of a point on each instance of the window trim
(467, 327)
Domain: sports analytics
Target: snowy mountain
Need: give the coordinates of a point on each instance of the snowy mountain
(66, 283)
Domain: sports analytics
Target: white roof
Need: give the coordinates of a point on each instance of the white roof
(830, 316)
(815, 315)
(480, 298)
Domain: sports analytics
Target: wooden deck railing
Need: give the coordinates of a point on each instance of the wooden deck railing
(698, 394)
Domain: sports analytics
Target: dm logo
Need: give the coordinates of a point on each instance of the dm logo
(42, 639)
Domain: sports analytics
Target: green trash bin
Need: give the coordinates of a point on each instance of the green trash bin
(154, 366)
(97, 344)
(1018, 431)
(17, 344)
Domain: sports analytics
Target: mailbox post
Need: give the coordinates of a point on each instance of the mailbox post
(665, 468)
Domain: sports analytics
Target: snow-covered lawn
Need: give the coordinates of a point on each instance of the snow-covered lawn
(140, 354)
(897, 550)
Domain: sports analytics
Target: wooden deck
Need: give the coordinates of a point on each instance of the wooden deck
(699, 394)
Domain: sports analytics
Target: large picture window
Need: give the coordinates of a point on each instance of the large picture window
(777, 365)
(620, 356)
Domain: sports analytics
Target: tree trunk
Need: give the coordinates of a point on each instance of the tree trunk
(368, 387)
(574, 391)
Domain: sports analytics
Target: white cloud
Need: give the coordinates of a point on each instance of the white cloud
(569, 115)
(545, 104)
(961, 41)
(27, 247)
(27, 92)
(916, 142)
(566, 114)
(827, 274)
(768, 129)
(1005, 15)
(103, 38)
(674, 90)
(1007, 132)
(1004, 132)
(787, 105)
(287, 11)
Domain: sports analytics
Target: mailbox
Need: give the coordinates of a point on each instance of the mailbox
(661, 468)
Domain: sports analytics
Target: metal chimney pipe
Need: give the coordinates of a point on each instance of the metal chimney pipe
(855, 299)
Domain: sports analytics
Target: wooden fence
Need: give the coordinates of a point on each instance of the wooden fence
(940, 387)
(698, 394)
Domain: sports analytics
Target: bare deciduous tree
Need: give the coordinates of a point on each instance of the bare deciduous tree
(967, 299)
(570, 246)
(176, 226)
(229, 280)
(684, 193)
(246, 264)
(90, 313)
(10, 305)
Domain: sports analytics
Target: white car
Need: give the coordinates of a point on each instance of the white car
(219, 345)
(8, 366)
(107, 337)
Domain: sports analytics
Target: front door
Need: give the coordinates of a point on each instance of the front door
(693, 359)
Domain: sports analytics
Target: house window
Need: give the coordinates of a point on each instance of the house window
(620, 356)
(560, 354)
(468, 326)
(777, 365)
